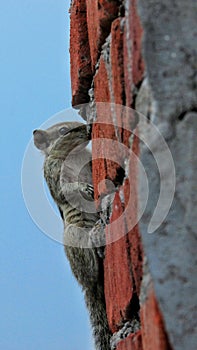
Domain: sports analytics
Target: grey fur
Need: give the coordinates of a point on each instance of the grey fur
(67, 170)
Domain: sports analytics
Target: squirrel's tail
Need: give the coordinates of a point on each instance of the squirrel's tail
(97, 310)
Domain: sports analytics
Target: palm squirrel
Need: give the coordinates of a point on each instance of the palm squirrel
(67, 170)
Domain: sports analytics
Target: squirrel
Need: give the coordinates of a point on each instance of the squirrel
(67, 171)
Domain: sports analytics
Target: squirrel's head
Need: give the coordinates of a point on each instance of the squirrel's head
(44, 140)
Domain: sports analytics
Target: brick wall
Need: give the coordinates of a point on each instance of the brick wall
(148, 288)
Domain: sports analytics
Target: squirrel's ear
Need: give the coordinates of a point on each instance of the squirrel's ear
(41, 140)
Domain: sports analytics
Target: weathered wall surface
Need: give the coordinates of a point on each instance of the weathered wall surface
(142, 55)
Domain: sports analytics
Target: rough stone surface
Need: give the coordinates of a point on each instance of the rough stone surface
(171, 249)
(170, 53)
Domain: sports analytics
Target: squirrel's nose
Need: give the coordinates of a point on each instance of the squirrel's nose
(34, 131)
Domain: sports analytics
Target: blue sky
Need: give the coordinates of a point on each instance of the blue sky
(41, 305)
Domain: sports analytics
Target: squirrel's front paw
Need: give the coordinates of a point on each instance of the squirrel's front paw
(97, 237)
(87, 190)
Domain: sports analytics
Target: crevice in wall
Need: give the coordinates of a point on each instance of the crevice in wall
(136, 89)
(183, 114)
(106, 14)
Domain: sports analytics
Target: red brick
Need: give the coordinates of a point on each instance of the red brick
(131, 205)
(108, 158)
(124, 116)
(81, 73)
(153, 332)
(121, 285)
(108, 11)
(108, 153)
(133, 62)
(104, 169)
(101, 94)
(132, 342)
(100, 14)
(118, 279)
(116, 53)
(93, 29)
(101, 83)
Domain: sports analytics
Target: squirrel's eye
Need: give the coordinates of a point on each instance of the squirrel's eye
(63, 130)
